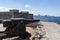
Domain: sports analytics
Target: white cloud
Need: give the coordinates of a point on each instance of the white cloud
(6, 9)
(27, 5)
(32, 11)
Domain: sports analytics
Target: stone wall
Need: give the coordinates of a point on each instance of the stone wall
(5, 15)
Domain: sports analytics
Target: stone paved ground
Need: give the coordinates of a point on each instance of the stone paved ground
(2, 28)
(52, 30)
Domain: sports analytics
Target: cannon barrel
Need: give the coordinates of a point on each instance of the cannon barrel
(16, 27)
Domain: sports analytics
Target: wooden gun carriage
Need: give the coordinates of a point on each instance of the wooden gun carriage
(16, 27)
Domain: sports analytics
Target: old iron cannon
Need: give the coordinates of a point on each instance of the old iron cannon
(16, 27)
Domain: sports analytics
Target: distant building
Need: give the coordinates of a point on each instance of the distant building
(15, 14)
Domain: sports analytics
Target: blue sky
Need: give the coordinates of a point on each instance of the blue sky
(43, 7)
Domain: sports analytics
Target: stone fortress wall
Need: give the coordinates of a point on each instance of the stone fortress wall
(15, 14)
